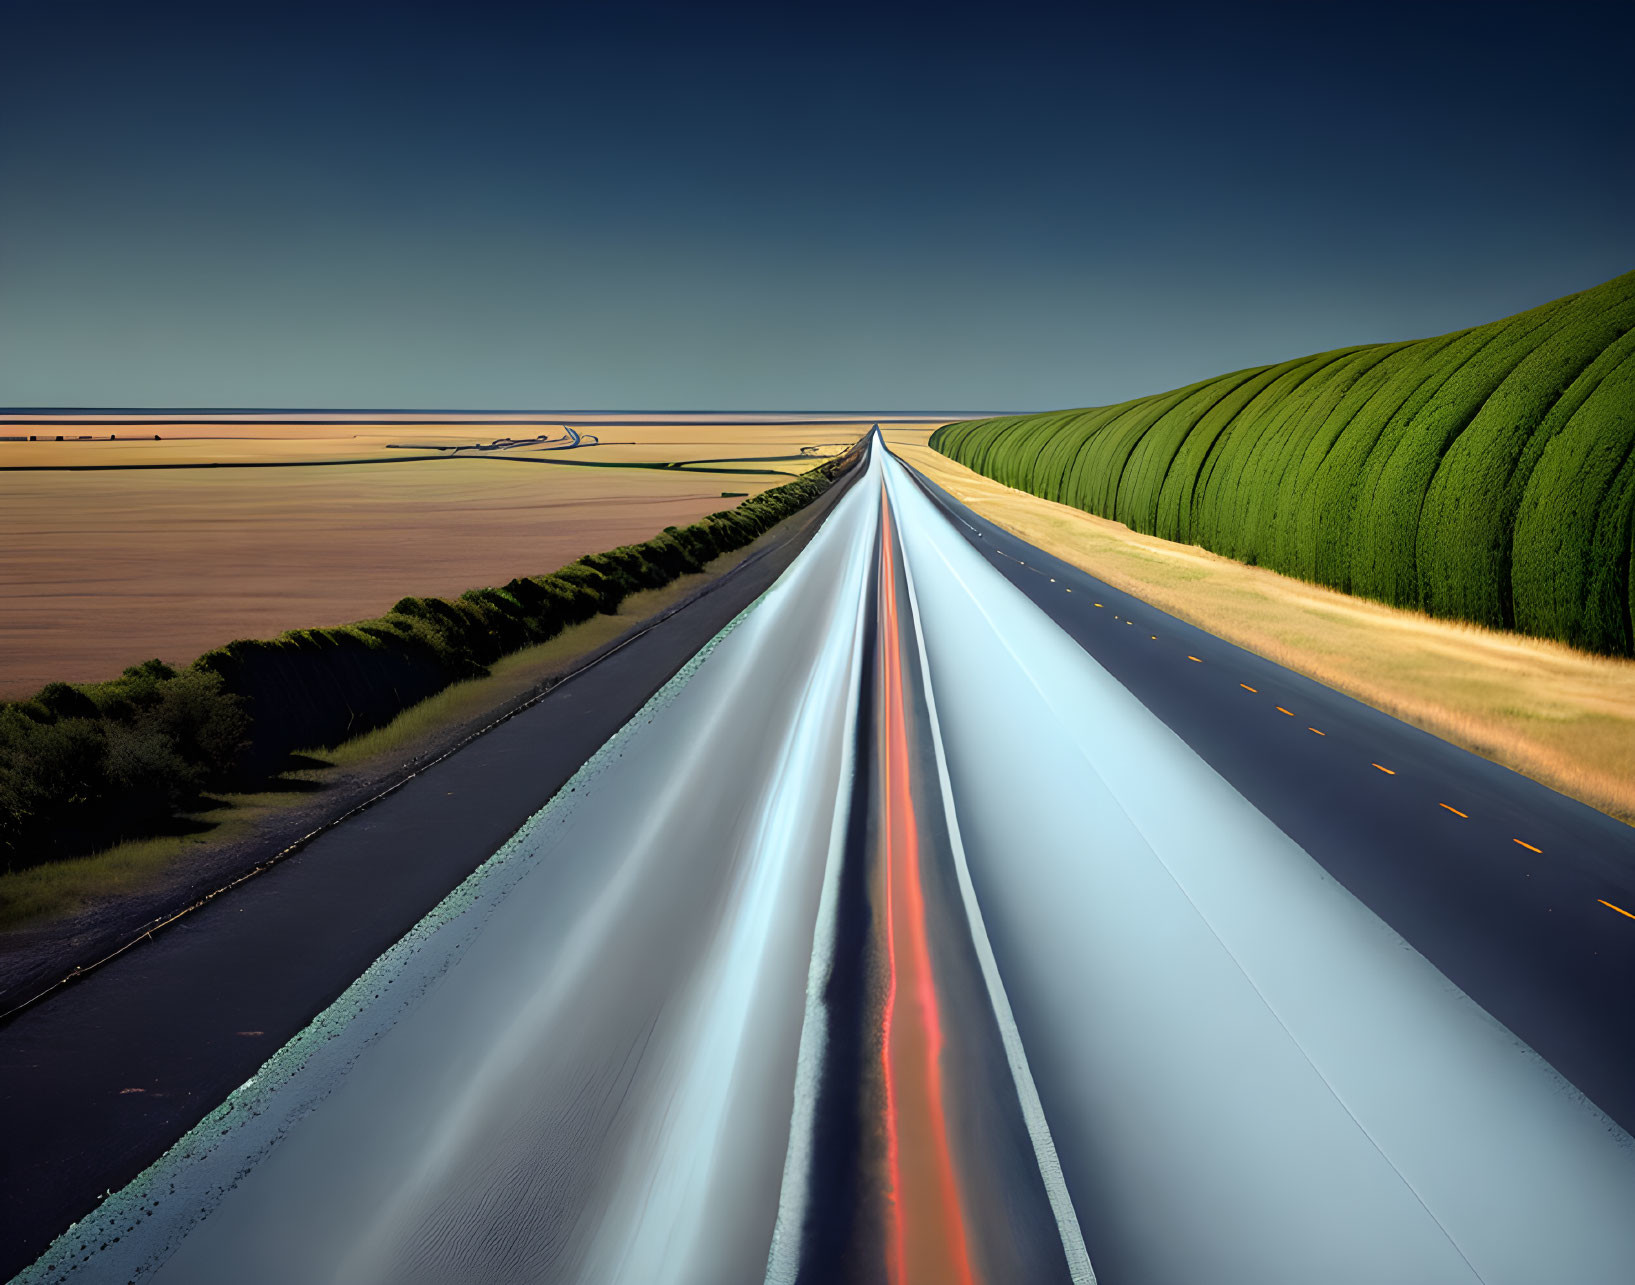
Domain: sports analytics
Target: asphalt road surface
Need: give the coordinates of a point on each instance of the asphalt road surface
(101, 1078)
(1517, 893)
(952, 918)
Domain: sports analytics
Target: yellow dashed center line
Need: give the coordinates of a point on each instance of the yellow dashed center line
(1194, 658)
(1456, 812)
(1528, 846)
(1248, 688)
(1619, 909)
(1289, 712)
(1313, 729)
(1388, 771)
(1098, 604)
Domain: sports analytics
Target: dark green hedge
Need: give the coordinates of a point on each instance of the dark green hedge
(1486, 475)
(84, 765)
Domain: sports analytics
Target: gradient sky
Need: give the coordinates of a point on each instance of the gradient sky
(782, 207)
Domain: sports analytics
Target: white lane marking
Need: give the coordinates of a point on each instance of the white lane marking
(1033, 1111)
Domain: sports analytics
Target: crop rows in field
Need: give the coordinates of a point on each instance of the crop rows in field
(1487, 475)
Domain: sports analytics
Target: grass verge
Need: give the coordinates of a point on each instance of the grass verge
(56, 888)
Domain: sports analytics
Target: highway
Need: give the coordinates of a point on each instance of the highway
(1519, 894)
(103, 1077)
(951, 917)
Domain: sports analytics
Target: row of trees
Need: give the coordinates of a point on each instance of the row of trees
(1486, 475)
(85, 765)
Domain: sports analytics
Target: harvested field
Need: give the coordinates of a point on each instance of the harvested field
(132, 442)
(105, 567)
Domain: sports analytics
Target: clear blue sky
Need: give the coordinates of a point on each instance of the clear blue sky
(802, 207)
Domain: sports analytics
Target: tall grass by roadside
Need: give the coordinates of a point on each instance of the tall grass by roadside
(1487, 475)
(83, 766)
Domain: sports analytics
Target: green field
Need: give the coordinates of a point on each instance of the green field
(1487, 475)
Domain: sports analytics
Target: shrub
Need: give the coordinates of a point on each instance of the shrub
(84, 766)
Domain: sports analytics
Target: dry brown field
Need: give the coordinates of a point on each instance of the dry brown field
(107, 566)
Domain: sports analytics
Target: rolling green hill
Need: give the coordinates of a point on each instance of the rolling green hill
(1487, 475)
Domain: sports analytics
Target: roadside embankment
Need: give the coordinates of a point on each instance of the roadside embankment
(1485, 475)
(1564, 717)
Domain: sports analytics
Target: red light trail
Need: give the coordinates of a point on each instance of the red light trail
(927, 1235)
